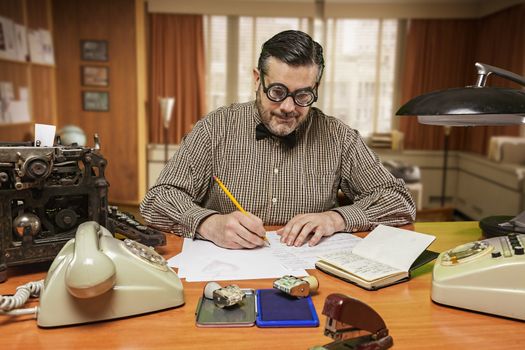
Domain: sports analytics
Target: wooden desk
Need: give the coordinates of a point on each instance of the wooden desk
(415, 322)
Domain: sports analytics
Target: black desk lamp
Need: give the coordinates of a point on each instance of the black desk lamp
(470, 106)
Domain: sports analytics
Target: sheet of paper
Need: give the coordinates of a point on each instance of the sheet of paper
(45, 134)
(393, 246)
(7, 38)
(203, 261)
(364, 268)
(21, 42)
(19, 111)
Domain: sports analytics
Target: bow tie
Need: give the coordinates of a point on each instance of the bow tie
(262, 132)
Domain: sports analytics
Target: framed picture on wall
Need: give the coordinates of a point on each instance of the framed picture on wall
(94, 50)
(95, 101)
(95, 75)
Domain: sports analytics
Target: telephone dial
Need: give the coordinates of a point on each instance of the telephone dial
(97, 277)
(485, 276)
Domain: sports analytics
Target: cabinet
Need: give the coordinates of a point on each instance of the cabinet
(487, 188)
(475, 186)
(157, 160)
(478, 197)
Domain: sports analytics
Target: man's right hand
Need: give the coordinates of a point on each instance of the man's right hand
(234, 231)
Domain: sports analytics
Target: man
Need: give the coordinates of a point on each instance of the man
(282, 159)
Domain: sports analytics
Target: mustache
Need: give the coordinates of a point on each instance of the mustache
(285, 115)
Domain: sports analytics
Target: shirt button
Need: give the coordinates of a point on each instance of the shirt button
(275, 171)
(274, 200)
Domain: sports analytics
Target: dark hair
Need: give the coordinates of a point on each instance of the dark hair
(292, 47)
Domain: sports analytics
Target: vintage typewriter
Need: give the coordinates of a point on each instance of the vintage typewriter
(47, 192)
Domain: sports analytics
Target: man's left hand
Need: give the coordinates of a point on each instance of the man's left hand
(300, 227)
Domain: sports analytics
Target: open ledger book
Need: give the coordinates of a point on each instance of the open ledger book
(384, 257)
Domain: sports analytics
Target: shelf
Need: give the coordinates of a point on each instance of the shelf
(38, 79)
(13, 61)
(28, 63)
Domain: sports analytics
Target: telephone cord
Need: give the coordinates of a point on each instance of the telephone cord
(8, 303)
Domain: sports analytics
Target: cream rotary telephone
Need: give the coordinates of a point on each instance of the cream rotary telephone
(97, 277)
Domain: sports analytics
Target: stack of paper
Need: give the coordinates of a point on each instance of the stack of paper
(204, 261)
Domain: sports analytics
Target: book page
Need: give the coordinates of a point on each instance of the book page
(304, 257)
(393, 246)
(364, 268)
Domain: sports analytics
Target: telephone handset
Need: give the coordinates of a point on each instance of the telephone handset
(91, 272)
(98, 277)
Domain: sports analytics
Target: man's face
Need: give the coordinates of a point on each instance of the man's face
(283, 117)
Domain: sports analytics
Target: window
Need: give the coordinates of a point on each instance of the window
(215, 51)
(232, 55)
(358, 83)
(255, 31)
(358, 86)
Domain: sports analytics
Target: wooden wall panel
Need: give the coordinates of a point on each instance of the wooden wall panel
(67, 58)
(18, 74)
(12, 9)
(114, 21)
(38, 14)
(43, 91)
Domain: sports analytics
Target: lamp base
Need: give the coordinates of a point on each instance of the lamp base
(491, 226)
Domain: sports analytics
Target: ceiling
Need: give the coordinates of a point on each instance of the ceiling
(337, 8)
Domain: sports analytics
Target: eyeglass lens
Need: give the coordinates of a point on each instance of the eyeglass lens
(278, 92)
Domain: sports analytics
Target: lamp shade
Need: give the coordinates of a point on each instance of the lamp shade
(468, 106)
(471, 105)
(166, 108)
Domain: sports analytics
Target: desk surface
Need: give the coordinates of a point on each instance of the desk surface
(414, 321)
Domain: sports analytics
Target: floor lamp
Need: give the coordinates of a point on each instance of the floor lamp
(166, 109)
(446, 130)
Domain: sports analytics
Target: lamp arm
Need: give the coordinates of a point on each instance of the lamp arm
(484, 70)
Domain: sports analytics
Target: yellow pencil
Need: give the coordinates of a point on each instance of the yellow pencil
(234, 201)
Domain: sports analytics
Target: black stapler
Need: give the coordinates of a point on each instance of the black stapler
(353, 325)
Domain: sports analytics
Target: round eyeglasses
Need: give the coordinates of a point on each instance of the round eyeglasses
(278, 92)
